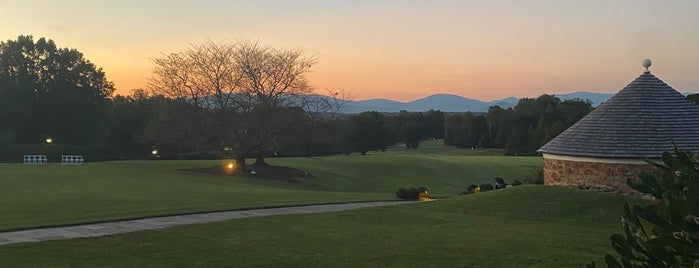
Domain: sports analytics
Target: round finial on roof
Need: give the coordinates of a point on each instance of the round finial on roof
(646, 64)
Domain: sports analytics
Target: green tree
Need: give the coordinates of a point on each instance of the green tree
(127, 117)
(535, 121)
(174, 126)
(369, 131)
(434, 124)
(465, 130)
(412, 128)
(50, 91)
(693, 98)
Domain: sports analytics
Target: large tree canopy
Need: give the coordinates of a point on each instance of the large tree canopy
(47, 91)
(520, 130)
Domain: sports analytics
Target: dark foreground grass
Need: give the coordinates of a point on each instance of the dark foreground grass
(33, 196)
(526, 226)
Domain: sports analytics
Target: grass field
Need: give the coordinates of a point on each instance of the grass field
(32, 196)
(525, 226)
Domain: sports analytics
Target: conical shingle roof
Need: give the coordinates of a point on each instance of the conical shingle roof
(640, 121)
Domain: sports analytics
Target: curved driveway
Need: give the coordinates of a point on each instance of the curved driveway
(117, 227)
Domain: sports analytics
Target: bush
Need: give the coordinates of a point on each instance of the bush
(486, 187)
(517, 183)
(666, 232)
(410, 194)
(471, 189)
(536, 176)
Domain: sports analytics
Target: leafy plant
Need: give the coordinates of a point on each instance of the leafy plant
(486, 187)
(665, 233)
(471, 189)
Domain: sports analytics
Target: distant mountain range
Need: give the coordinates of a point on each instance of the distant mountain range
(454, 103)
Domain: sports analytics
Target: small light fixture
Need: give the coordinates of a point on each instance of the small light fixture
(154, 152)
(229, 167)
(49, 140)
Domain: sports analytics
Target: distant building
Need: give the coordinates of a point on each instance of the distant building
(608, 146)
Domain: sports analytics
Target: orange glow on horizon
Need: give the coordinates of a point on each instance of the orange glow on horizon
(397, 50)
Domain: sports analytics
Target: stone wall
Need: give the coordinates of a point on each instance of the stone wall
(596, 175)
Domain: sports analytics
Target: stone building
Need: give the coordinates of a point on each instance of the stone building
(610, 144)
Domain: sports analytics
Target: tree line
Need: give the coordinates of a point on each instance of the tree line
(521, 130)
(236, 100)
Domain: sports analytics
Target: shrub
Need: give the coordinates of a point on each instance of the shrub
(471, 189)
(411, 193)
(535, 176)
(402, 193)
(486, 187)
(666, 232)
(517, 183)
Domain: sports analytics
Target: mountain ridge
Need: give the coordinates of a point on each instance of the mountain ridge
(454, 103)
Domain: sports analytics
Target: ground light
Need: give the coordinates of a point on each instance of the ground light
(425, 196)
(229, 167)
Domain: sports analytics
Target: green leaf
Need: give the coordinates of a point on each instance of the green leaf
(634, 242)
(654, 214)
(648, 185)
(663, 248)
(611, 262)
(620, 245)
(626, 262)
(667, 158)
(632, 219)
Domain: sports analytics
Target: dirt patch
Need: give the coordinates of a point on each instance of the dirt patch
(281, 173)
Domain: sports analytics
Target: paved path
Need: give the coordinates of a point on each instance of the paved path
(117, 227)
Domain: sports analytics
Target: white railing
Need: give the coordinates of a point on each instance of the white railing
(35, 159)
(72, 159)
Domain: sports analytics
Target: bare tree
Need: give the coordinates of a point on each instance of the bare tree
(255, 92)
(273, 80)
(207, 77)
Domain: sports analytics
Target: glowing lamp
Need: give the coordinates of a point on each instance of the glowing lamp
(49, 140)
(425, 196)
(229, 167)
(154, 152)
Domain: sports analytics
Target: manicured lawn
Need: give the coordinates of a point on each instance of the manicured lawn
(525, 226)
(32, 196)
(438, 147)
(444, 175)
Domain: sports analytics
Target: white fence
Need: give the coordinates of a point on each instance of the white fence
(72, 159)
(35, 159)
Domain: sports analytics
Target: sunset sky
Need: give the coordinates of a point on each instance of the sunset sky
(401, 50)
